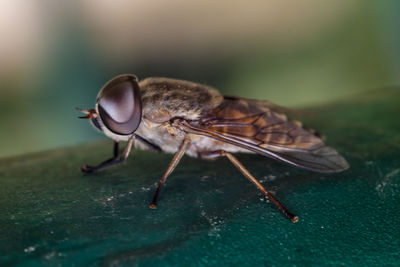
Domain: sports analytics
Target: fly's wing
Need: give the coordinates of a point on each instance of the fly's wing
(259, 128)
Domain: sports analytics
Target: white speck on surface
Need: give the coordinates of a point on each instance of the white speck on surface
(29, 249)
(268, 178)
(215, 223)
(50, 255)
(388, 186)
(204, 177)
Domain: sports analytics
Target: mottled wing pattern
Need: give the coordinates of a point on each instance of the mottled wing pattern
(256, 127)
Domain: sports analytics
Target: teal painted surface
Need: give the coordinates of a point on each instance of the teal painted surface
(208, 214)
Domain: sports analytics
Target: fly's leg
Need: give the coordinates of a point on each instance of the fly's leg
(88, 169)
(149, 145)
(248, 175)
(116, 159)
(177, 157)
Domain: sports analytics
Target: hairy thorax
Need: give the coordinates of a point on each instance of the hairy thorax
(164, 100)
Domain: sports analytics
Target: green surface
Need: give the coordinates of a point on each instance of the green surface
(208, 214)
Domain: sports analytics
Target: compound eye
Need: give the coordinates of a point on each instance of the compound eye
(119, 105)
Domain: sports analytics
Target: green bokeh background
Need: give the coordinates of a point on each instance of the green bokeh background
(75, 47)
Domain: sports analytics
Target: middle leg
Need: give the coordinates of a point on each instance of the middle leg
(177, 157)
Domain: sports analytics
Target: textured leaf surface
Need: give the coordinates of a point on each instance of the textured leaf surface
(208, 214)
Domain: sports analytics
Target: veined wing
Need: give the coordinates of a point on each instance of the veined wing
(256, 127)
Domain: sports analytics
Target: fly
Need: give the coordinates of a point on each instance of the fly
(181, 117)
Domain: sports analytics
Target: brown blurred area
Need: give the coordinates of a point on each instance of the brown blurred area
(55, 56)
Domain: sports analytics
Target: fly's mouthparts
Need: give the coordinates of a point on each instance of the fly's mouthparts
(85, 117)
(90, 113)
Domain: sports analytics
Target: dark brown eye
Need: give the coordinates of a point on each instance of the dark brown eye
(119, 104)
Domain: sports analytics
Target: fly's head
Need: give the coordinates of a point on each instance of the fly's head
(118, 110)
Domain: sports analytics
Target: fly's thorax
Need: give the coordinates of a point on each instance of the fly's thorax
(164, 135)
(164, 98)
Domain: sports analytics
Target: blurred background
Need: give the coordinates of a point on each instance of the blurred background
(56, 55)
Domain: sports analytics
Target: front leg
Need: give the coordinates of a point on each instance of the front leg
(111, 161)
